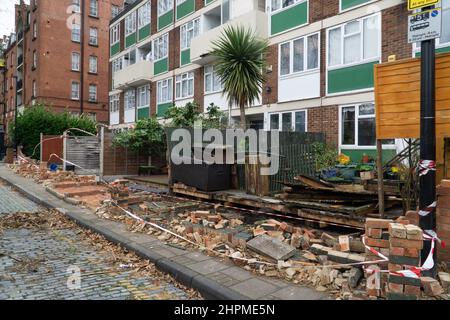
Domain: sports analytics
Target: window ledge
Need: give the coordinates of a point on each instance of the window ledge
(93, 45)
(93, 73)
(376, 59)
(299, 74)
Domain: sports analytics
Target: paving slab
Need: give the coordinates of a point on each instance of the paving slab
(271, 247)
(254, 288)
(213, 277)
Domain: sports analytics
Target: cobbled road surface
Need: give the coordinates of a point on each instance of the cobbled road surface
(61, 264)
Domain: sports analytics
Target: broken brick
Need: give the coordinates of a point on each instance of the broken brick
(395, 287)
(374, 233)
(397, 251)
(397, 230)
(431, 286)
(378, 223)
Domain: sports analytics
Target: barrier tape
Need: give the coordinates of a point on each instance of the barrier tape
(23, 159)
(428, 209)
(372, 250)
(425, 166)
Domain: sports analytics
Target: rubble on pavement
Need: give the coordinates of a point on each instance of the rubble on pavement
(327, 261)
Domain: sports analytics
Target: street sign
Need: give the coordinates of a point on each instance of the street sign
(417, 4)
(425, 25)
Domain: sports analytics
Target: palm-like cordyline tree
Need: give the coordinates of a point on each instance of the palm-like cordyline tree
(240, 61)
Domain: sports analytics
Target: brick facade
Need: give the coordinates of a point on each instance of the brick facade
(53, 47)
(325, 120)
(394, 32)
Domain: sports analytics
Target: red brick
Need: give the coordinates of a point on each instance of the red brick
(395, 267)
(395, 288)
(377, 243)
(406, 243)
(378, 223)
(412, 252)
(375, 233)
(431, 286)
(397, 251)
(412, 290)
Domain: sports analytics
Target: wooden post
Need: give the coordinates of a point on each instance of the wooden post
(380, 178)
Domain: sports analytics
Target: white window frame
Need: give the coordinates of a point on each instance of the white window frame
(130, 99)
(76, 6)
(76, 36)
(72, 96)
(160, 85)
(93, 92)
(361, 28)
(34, 29)
(114, 103)
(93, 35)
(143, 97)
(75, 64)
(164, 6)
(35, 59)
(357, 117)
(144, 15)
(34, 89)
(159, 45)
(184, 79)
(305, 56)
(117, 64)
(213, 75)
(91, 60)
(280, 119)
(115, 34)
(93, 8)
(130, 24)
(191, 26)
(272, 11)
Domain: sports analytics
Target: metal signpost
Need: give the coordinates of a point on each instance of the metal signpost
(425, 26)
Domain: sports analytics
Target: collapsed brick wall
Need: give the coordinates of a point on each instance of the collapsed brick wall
(443, 219)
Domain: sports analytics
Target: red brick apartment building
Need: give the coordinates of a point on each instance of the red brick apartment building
(58, 55)
(320, 74)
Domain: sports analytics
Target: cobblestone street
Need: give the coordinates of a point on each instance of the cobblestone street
(62, 263)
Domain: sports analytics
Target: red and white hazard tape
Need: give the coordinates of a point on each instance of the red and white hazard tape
(428, 209)
(425, 166)
(27, 161)
(372, 250)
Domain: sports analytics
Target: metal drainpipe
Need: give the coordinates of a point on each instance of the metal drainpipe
(82, 57)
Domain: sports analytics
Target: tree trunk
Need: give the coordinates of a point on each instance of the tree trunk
(242, 111)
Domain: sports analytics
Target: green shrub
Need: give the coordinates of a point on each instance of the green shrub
(325, 156)
(148, 136)
(40, 119)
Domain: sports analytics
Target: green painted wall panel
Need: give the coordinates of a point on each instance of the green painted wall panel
(289, 18)
(165, 20)
(440, 50)
(357, 154)
(208, 2)
(351, 78)
(346, 4)
(115, 49)
(161, 66)
(144, 32)
(162, 109)
(130, 40)
(185, 9)
(185, 57)
(143, 113)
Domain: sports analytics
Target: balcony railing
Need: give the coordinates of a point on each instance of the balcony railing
(19, 35)
(19, 60)
(134, 75)
(201, 46)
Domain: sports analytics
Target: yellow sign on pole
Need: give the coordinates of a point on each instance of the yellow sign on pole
(417, 4)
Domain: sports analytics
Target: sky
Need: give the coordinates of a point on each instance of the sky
(7, 16)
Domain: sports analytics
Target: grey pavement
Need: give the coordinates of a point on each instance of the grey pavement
(14, 202)
(62, 265)
(213, 277)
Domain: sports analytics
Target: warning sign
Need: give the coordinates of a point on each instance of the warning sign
(417, 4)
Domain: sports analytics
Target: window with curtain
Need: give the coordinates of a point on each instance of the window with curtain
(161, 47)
(355, 41)
(212, 80)
(299, 55)
(184, 85)
(189, 31)
(164, 91)
(144, 15)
